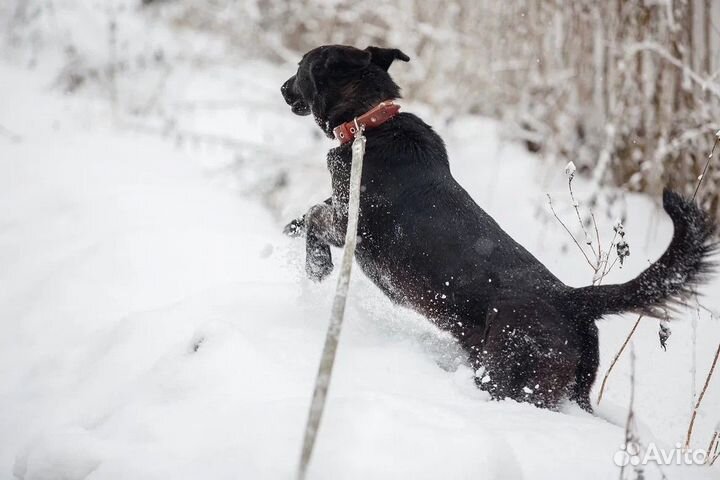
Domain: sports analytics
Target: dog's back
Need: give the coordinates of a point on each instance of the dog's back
(423, 238)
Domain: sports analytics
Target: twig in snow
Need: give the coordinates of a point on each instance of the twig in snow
(617, 356)
(711, 451)
(712, 313)
(707, 165)
(610, 267)
(570, 171)
(606, 269)
(597, 235)
(632, 443)
(716, 452)
(601, 265)
(569, 232)
(700, 398)
(693, 364)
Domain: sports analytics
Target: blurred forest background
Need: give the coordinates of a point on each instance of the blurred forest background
(627, 89)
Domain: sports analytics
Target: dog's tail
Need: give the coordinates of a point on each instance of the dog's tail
(668, 282)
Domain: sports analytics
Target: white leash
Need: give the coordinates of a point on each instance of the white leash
(322, 381)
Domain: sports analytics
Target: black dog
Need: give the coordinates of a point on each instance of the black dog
(429, 246)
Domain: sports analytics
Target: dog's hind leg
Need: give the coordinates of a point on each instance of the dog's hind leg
(523, 359)
(586, 369)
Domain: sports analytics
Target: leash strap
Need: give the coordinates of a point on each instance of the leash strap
(322, 381)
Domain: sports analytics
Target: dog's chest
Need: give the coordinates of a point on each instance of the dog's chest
(339, 162)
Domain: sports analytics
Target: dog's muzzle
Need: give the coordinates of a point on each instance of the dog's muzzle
(293, 98)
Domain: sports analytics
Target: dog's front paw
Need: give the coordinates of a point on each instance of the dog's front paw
(296, 228)
(318, 262)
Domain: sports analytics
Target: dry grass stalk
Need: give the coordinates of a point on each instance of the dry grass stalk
(617, 356)
(700, 398)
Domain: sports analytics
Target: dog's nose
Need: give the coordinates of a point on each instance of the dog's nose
(286, 88)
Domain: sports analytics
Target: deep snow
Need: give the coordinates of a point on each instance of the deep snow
(155, 324)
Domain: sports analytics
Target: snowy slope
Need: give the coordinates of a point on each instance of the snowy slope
(155, 324)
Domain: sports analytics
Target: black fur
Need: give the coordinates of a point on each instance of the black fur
(429, 246)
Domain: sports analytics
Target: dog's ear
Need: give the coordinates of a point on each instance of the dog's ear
(384, 57)
(347, 58)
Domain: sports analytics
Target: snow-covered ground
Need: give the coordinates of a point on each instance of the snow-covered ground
(155, 324)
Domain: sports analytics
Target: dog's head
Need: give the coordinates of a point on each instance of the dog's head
(337, 83)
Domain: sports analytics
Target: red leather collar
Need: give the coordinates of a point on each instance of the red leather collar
(378, 115)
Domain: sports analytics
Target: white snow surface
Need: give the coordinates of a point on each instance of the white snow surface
(156, 324)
